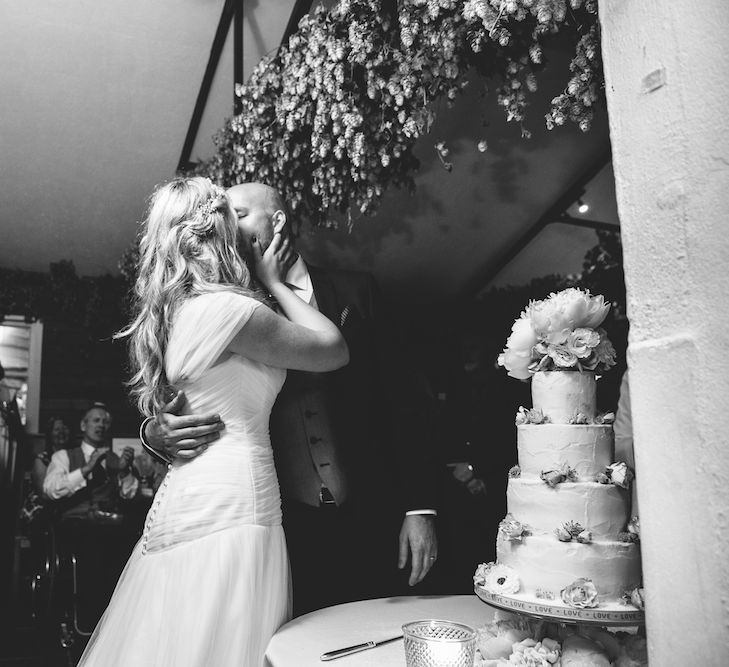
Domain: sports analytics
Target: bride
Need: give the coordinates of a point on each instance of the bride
(208, 583)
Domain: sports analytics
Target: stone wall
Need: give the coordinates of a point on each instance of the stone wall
(665, 65)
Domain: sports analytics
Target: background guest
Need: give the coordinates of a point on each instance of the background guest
(474, 461)
(88, 485)
(57, 437)
(91, 476)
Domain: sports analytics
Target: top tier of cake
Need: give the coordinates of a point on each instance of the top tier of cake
(562, 395)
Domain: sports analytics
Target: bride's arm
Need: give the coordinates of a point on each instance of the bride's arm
(304, 340)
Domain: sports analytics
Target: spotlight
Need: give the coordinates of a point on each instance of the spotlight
(582, 207)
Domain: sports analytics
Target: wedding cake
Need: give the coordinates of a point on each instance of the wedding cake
(568, 549)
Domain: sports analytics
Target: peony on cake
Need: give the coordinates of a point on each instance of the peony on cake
(568, 548)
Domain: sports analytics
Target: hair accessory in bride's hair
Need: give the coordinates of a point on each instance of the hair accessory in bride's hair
(212, 203)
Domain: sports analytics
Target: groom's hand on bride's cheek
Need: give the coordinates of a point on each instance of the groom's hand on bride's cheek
(183, 436)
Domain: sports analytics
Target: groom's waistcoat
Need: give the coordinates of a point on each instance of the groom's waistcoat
(305, 442)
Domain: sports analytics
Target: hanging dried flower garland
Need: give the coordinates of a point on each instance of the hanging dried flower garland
(331, 119)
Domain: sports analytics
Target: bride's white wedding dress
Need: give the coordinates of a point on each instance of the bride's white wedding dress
(208, 583)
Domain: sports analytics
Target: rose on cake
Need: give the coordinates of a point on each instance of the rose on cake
(530, 416)
(620, 474)
(556, 476)
(580, 594)
(572, 530)
(585, 537)
(560, 332)
(617, 473)
(636, 597)
(512, 529)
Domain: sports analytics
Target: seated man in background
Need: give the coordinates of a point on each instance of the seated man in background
(88, 486)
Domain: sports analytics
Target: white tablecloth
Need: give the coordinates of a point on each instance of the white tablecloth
(300, 642)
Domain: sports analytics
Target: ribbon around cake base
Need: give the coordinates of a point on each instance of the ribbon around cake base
(562, 613)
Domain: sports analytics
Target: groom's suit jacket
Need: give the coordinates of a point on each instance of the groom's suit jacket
(363, 431)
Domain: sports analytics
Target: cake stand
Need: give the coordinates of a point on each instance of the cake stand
(616, 615)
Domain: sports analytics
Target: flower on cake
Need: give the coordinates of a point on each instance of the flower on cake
(559, 475)
(636, 597)
(563, 535)
(584, 537)
(517, 356)
(497, 578)
(515, 471)
(562, 312)
(581, 594)
(625, 536)
(616, 473)
(479, 577)
(582, 341)
(560, 332)
(512, 529)
(530, 416)
(571, 530)
(603, 355)
(561, 357)
(599, 419)
(634, 526)
(606, 418)
(580, 418)
(620, 474)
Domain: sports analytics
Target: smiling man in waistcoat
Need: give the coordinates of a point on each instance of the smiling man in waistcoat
(353, 448)
(86, 484)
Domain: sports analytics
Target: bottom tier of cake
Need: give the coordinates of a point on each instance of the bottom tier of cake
(545, 566)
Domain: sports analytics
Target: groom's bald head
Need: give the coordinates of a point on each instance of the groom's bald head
(258, 207)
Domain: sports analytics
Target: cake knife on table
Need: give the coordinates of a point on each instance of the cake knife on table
(341, 652)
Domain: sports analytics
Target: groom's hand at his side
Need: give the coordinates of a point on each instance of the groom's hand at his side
(418, 541)
(185, 436)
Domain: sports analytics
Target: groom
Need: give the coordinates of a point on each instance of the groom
(353, 448)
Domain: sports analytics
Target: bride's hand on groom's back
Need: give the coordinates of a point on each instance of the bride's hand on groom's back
(182, 436)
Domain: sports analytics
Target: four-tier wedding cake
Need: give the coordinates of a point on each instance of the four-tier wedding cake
(568, 549)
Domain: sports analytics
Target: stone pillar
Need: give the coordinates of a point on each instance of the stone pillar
(668, 102)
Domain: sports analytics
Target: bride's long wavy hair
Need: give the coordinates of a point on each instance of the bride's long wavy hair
(187, 248)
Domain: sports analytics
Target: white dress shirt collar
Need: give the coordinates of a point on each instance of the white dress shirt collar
(298, 275)
(299, 279)
(87, 449)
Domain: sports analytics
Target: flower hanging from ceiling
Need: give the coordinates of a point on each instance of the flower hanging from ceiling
(331, 119)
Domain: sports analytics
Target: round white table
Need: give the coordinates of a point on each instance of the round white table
(301, 642)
